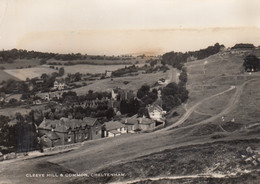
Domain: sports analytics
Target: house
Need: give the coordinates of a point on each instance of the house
(95, 127)
(108, 74)
(242, 48)
(156, 113)
(114, 128)
(65, 131)
(142, 123)
(53, 95)
(131, 124)
(146, 124)
(61, 132)
(59, 84)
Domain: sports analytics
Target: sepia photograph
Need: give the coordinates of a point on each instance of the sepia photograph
(129, 92)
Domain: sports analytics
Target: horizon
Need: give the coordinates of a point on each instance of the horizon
(132, 54)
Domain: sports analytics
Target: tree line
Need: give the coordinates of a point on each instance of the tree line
(177, 59)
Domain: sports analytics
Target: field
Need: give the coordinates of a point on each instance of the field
(99, 61)
(24, 63)
(134, 82)
(22, 74)
(86, 68)
(247, 110)
(5, 76)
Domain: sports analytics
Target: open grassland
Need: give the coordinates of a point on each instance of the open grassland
(24, 63)
(134, 82)
(99, 61)
(216, 104)
(11, 111)
(213, 74)
(247, 109)
(88, 68)
(22, 74)
(4, 76)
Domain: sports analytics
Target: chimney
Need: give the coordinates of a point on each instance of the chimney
(140, 120)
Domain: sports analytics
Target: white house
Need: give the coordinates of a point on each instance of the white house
(108, 73)
(156, 112)
(58, 85)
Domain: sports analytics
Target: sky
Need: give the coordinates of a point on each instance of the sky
(115, 27)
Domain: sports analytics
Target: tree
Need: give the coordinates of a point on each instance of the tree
(110, 113)
(13, 101)
(142, 112)
(251, 63)
(44, 76)
(183, 77)
(153, 62)
(61, 71)
(144, 90)
(123, 107)
(43, 62)
(173, 95)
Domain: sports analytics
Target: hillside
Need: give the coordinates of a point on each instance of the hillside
(199, 147)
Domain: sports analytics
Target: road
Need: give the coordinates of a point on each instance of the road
(95, 155)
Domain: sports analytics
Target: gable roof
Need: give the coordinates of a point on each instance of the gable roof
(90, 121)
(51, 135)
(145, 121)
(63, 125)
(154, 107)
(131, 121)
(113, 125)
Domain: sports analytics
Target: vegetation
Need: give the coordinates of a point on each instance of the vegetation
(177, 59)
(243, 46)
(123, 71)
(173, 95)
(18, 137)
(10, 55)
(251, 63)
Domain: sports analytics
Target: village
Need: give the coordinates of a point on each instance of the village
(65, 131)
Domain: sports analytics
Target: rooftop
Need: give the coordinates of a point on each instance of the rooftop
(112, 125)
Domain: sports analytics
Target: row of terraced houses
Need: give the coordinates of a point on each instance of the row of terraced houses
(65, 131)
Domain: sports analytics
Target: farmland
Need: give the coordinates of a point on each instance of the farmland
(24, 73)
(21, 63)
(92, 69)
(5, 76)
(133, 82)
